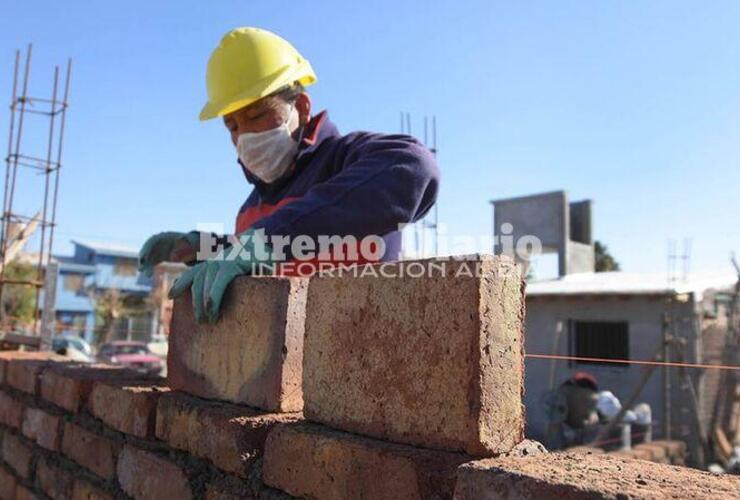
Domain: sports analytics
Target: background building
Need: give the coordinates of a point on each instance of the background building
(618, 318)
(631, 317)
(100, 293)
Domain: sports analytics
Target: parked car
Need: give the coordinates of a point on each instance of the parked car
(67, 340)
(158, 345)
(70, 350)
(131, 354)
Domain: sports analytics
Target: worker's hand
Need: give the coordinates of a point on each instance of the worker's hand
(167, 247)
(209, 279)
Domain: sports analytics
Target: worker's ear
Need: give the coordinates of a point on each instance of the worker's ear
(303, 106)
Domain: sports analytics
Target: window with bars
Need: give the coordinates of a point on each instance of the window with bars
(599, 339)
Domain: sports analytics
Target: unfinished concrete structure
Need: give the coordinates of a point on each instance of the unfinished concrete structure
(620, 315)
(562, 227)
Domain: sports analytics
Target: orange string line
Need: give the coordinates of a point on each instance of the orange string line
(632, 362)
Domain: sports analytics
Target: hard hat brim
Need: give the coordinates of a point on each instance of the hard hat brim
(302, 73)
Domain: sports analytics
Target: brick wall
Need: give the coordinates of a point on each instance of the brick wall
(411, 388)
(104, 433)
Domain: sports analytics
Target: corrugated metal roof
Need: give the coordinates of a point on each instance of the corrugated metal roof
(623, 283)
(108, 248)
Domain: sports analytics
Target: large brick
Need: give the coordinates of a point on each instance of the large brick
(434, 361)
(230, 487)
(94, 452)
(675, 450)
(68, 385)
(650, 451)
(636, 453)
(85, 490)
(312, 461)
(53, 480)
(42, 427)
(6, 357)
(23, 493)
(252, 355)
(126, 407)
(145, 476)
(580, 476)
(8, 485)
(221, 489)
(17, 454)
(585, 449)
(232, 437)
(11, 411)
(23, 371)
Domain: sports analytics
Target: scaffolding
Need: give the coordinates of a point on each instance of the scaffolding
(15, 226)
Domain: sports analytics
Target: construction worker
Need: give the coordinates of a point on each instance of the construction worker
(309, 180)
(581, 393)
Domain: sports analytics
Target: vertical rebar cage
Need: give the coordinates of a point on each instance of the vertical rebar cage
(16, 228)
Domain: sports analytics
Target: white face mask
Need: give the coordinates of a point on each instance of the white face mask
(269, 154)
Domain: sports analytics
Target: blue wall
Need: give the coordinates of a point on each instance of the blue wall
(97, 268)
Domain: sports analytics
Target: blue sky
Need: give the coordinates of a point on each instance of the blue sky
(635, 105)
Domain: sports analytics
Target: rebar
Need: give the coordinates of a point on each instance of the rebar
(48, 166)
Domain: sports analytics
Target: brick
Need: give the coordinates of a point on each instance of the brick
(587, 450)
(252, 355)
(312, 461)
(8, 484)
(652, 451)
(125, 407)
(617, 453)
(23, 372)
(42, 427)
(433, 361)
(23, 493)
(221, 489)
(231, 437)
(641, 454)
(579, 476)
(674, 449)
(84, 490)
(215, 492)
(144, 476)
(68, 385)
(53, 480)
(94, 452)
(17, 454)
(11, 411)
(6, 357)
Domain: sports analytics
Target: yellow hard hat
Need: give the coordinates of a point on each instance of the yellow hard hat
(248, 64)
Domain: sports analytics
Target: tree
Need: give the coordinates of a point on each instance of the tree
(19, 301)
(604, 260)
(112, 305)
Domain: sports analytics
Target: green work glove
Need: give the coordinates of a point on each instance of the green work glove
(208, 280)
(168, 246)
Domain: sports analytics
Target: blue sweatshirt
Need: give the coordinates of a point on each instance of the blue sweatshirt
(357, 184)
